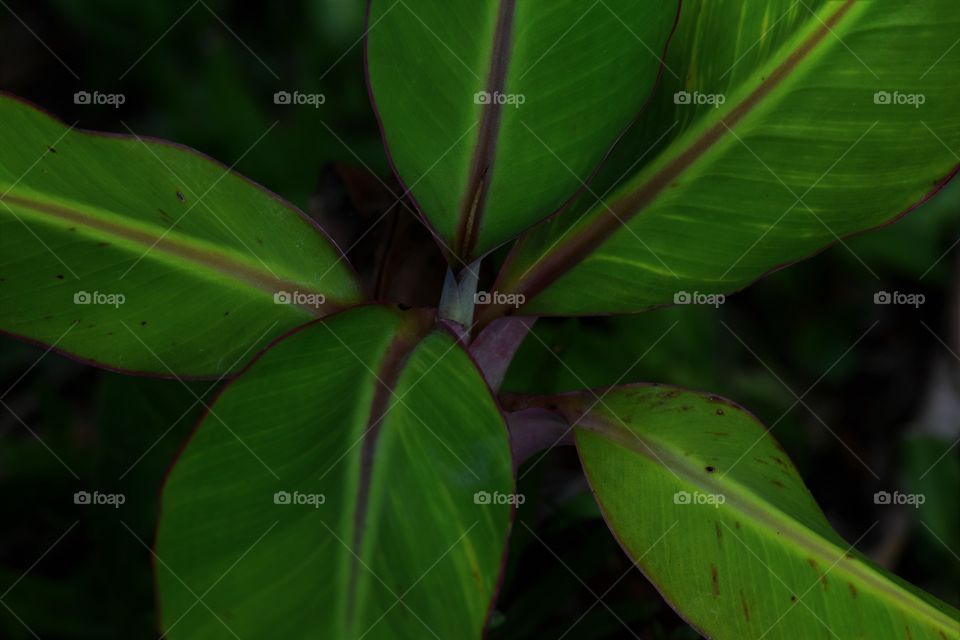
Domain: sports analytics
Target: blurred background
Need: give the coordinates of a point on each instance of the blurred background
(865, 397)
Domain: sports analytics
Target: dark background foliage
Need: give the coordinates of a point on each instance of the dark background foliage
(864, 397)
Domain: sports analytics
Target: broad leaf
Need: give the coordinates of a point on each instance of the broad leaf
(713, 512)
(145, 256)
(495, 113)
(821, 133)
(331, 492)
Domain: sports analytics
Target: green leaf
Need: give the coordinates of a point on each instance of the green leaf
(798, 156)
(397, 434)
(710, 508)
(495, 113)
(146, 256)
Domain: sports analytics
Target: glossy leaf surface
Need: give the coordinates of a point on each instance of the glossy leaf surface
(145, 256)
(784, 127)
(495, 113)
(331, 492)
(711, 509)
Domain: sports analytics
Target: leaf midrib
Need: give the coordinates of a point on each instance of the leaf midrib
(565, 255)
(386, 378)
(473, 205)
(168, 243)
(758, 511)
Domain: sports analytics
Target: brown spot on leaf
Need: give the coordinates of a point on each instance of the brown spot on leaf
(719, 412)
(737, 524)
(716, 527)
(777, 483)
(72, 229)
(744, 607)
(793, 598)
(181, 197)
(779, 461)
(143, 323)
(103, 244)
(710, 469)
(714, 580)
(853, 589)
(761, 461)
(51, 150)
(823, 576)
(59, 276)
(719, 434)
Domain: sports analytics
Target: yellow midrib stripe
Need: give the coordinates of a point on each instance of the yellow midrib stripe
(169, 244)
(758, 510)
(633, 199)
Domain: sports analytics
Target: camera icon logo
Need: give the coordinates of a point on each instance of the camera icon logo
(682, 97)
(482, 297)
(82, 297)
(282, 297)
(681, 497)
(82, 97)
(882, 97)
(281, 497)
(81, 497)
(882, 297)
(482, 97)
(682, 297)
(882, 497)
(481, 497)
(282, 97)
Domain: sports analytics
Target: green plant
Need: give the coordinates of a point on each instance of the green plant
(356, 479)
